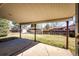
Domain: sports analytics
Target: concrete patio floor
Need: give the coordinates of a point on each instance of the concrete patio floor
(25, 47)
(45, 50)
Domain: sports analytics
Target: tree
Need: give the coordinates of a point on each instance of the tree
(15, 23)
(32, 25)
(3, 27)
(47, 26)
(16, 26)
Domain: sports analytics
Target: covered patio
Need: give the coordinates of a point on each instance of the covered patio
(26, 47)
(33, 14)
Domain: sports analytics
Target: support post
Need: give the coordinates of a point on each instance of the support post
(67, 34)
(20, 31)
(35, 33)
(77, 30)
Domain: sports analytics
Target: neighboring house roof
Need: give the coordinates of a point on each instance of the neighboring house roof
(71, 27)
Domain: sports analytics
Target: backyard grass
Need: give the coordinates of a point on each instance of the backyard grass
(53, 40)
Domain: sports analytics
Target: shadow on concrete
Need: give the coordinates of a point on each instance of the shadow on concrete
(15, 46)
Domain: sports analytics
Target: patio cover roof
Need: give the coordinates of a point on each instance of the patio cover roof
(39, 12)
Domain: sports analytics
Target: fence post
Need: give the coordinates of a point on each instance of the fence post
(20, 31)
(67, 34)
(35, 33)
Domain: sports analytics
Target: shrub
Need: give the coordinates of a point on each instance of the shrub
(3, 27)
(72, 34)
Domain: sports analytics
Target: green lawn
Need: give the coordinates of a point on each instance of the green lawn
(53, 40)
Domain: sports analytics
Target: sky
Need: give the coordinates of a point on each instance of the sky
(42, 25)
(59, 24)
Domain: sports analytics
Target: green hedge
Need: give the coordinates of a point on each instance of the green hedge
(3, 27)
(72, 34)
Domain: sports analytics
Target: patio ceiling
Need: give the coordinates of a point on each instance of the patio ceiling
(30, 13)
